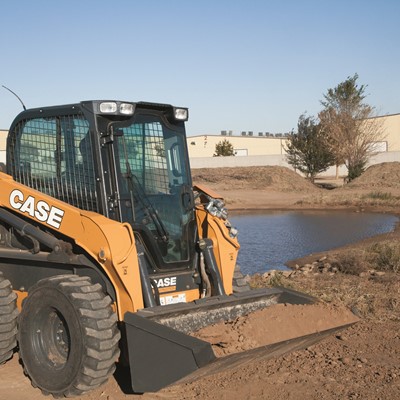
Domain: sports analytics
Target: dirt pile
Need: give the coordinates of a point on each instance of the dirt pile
(253, 178)
(272, 325)
(385, 175)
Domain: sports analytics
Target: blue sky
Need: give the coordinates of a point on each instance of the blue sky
(237, 64)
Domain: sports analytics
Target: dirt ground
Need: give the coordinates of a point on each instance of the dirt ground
(361, 362)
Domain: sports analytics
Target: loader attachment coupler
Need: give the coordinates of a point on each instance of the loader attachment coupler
(161, 352)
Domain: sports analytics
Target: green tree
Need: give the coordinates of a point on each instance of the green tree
(349, 125)
(307, 150)
(224, 148)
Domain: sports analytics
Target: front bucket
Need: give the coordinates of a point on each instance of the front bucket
(190, 317)
(161, 354)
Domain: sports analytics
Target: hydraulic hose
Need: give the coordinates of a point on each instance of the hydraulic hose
(206, 247)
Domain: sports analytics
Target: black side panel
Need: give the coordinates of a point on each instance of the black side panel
(24, 269)
(159, 356)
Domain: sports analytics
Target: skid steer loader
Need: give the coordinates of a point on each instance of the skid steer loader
(108, 254)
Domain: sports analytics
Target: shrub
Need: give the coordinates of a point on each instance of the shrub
(386, 256)
(352, 262)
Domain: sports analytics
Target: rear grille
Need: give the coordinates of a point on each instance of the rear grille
(54, 155)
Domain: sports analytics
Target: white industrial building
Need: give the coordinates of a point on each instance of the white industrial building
(255, 149)
(262, 148)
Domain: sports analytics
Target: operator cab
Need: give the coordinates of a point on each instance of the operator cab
(127, 161)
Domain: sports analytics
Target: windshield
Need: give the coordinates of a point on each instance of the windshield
(153, 180)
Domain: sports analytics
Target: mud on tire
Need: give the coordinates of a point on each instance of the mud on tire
(8, 319)
(68, 336)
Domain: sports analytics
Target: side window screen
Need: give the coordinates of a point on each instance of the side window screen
(54, 155)
(36, 150)
(145, 151)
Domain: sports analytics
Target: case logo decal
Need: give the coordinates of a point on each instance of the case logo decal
(166, 282)
(40, 210)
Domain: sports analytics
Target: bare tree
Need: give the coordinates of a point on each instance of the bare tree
(350, 126)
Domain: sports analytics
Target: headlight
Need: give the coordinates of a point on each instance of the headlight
(126, 108)
(115, 107)
(181, 114)
(108, 107)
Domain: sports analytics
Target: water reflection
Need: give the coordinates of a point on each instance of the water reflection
(269, 239)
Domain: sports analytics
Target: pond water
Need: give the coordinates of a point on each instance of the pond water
(269, 239)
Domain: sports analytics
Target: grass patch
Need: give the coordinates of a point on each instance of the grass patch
(381, 256)
(378, 195)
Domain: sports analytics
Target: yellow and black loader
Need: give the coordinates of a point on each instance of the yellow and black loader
(109, 254)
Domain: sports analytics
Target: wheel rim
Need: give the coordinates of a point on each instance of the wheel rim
(51, 338)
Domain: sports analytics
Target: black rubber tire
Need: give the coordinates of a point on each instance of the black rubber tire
(239, 283)
(68, 336)
(8, 320)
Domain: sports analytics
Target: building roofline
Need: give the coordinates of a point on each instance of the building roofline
(383, 116)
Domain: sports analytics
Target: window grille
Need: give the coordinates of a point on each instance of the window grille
(55, 156)
(144, 146)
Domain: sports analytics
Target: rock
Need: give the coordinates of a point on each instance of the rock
(322, 258)
(356, 311)
(345, 360)
(247, 278)
(241, 282)
(307, 267)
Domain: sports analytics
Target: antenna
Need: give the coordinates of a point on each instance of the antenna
(23, 105)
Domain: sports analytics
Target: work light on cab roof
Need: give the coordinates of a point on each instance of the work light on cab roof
(181, 114)
(112, 107)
